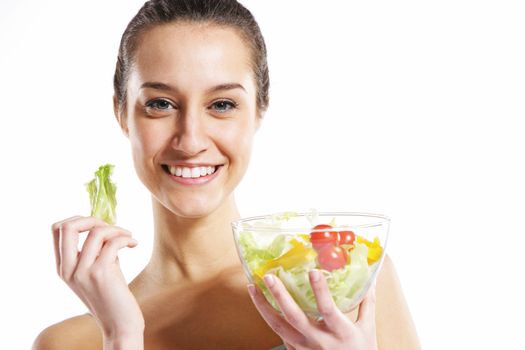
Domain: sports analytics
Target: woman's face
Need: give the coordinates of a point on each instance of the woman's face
(191, 115)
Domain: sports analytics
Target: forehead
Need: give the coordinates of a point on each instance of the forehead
(192, 55)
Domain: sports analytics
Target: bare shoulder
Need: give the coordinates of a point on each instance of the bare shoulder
(79, 332)
(395, 328)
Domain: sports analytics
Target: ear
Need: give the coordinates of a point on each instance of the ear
(121, 120)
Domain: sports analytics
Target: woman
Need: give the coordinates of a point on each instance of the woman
(191, 88)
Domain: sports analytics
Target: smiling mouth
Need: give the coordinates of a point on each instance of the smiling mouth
(190, 172)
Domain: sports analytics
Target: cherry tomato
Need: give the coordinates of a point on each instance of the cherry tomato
(321, 239)
(346, 237)
(332, 257)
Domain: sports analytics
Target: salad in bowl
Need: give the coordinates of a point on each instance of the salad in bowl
(348, 248)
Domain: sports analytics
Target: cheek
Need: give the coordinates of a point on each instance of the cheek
(146, 140)
(237, 142)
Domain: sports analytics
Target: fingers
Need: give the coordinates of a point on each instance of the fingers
(111, 247)
(291, 311)
(68, 232)
(95, 240)
(272, 317)
(367, 309)
(55, 230)
(334, 319)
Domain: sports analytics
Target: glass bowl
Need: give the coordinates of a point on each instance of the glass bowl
(348, 248)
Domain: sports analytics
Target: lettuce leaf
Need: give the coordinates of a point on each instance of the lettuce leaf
(298, 285)
(102, 194)
(345, 283)
(256, 255)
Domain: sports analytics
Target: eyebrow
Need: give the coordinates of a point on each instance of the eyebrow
(165, 87)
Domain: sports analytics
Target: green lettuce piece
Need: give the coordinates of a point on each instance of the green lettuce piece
(102, 194)
(284, 216)
(298, 285)
(256, 255)
(277, 246)
(345, 283)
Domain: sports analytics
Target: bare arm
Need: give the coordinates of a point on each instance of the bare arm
(395, 328)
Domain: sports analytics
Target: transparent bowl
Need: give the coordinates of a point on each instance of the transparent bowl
(287, 245)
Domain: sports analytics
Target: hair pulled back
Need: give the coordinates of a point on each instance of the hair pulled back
(228, 13)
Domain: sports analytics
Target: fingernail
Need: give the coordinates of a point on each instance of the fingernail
(251, 290)
(314, 275)
(269, 280)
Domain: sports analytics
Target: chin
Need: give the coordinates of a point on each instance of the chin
(194, 208)
(192, 213)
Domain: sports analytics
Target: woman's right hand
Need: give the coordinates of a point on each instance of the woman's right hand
(94, 275)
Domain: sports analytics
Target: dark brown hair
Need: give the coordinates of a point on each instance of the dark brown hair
(228, 13)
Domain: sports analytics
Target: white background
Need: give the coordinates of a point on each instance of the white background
(412, 109)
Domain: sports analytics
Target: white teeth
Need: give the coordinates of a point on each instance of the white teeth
(195, 172)
(191, 172)
(186, 172)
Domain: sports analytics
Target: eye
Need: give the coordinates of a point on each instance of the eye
(223, 106)
(159, 104)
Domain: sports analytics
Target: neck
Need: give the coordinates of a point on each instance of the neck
(193, 249)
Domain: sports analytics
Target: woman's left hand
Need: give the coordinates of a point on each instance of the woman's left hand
(335, 331)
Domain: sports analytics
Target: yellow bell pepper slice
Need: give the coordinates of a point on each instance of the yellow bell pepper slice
(374, 249)
(298, 255)
(304, 236)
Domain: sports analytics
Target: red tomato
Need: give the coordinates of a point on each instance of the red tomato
(321, 239)
(346, 237)
(332, 257)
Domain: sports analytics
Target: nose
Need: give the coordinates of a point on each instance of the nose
(190, 135)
